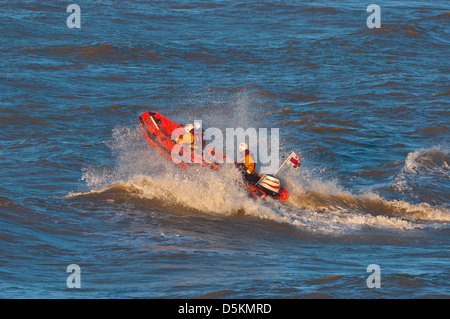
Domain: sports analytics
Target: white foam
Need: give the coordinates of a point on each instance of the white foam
(431, 161)
(315, 205)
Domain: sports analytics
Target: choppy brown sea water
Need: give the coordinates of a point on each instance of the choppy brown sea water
(367, 110)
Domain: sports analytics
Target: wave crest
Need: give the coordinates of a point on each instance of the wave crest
(316, 205)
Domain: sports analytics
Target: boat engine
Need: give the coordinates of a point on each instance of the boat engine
(270, 184)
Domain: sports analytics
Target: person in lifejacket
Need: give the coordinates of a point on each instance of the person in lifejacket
(247, 164)
(188, 136)
(193, 136)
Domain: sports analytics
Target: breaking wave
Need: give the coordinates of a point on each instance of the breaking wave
(425, 175)
(431, 161)
(315, 205)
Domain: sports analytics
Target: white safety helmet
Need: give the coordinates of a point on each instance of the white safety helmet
(197, 126)
(243, 147)
(188, 128)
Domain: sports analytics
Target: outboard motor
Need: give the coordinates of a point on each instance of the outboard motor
(270, 184)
